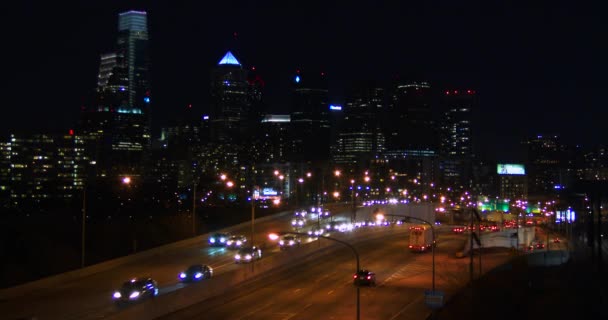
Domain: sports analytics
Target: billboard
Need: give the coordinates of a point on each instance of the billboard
(509, 168)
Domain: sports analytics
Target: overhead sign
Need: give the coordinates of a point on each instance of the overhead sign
(510, 169)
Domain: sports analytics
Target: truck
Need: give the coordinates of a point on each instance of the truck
(421, 238)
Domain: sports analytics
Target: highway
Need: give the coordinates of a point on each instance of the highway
(313, 290)
(323, 289)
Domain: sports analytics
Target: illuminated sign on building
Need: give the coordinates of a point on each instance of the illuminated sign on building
(269, 192)
(510, 169)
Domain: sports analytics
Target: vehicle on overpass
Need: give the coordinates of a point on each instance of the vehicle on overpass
(289, 241)
(135, 290)
(219, 239)
(248, 254)
(364, 277)
(236, 242)
(421, 238)
(195, 273)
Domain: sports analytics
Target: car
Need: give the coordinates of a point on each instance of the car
(540, 245)
(135, 290)
(236, 241)
(316, 231)
(248, 254)
(556, 240)
(298, 222)
(364, 277)
(289, 241)
(458, 230)
(196, 272)
(219, 239)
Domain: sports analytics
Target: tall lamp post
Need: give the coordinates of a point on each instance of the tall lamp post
(84, 217)
(254, 196)
(194, 210)
(381, 216)
(127, 181)
(274, 236)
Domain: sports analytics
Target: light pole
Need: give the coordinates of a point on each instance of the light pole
(275, 236)
(127, 181)
(194, 210)
(380, 216)
(253, 197)
(84, 217)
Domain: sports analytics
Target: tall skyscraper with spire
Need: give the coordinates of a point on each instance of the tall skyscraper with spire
(117, 126)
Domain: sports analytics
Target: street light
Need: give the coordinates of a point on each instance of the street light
(274, 236)
(84, 219)
(127, 181)
(380, 216)
(254, 195)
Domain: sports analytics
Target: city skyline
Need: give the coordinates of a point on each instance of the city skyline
(519, 72)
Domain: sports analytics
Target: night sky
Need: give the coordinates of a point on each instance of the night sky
(538, 66)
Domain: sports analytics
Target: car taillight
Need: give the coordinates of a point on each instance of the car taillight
(355, 277)
(368, 277)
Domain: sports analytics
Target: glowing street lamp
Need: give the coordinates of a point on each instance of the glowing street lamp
(275, 236)
(126, 180)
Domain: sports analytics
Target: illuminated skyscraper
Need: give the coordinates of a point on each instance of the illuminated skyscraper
(117, 127)
(457, 137)
(360, 137)
(310, 117)
(230, 100)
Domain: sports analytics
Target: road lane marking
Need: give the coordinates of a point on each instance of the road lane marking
(298, 289)
(330, 292)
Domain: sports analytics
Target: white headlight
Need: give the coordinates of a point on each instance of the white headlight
(222, 239)
(238, 243)
(281, 242)
(134, 294)
(237, 257)
(212, 240)
(291, 242)
(198, 275)
(117, 295)
(182, 275)
(248, 257)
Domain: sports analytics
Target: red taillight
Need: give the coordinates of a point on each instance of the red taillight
(411, 247)
(355, 277)
(369, 277)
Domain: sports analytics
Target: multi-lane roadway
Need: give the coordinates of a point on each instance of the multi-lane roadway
(320, 288)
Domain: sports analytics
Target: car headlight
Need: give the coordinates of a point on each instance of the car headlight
(182, 275)
(134, 295)
(117, 295)
(238, 243)
(222, 240)
(291, 242)
(198, 275)
(248, 257)
(212, 240)
(281, 242)
(237, 257)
